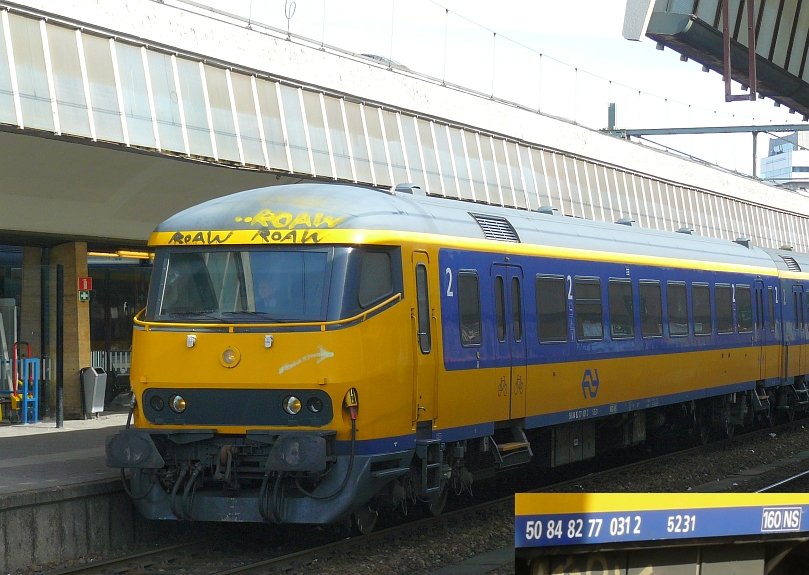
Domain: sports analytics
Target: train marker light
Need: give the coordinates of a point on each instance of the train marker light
(292, 405)
(351, 402)
(157, 402)
(177, 403)
(314, 404)
(230, 357)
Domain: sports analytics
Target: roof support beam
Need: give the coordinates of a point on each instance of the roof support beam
(751, 53)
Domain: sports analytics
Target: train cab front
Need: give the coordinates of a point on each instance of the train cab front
(246, 396)
(256, 475)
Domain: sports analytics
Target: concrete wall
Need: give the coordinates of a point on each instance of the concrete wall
(51, 527)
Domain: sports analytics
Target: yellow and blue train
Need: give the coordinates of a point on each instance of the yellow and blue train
(315, 352)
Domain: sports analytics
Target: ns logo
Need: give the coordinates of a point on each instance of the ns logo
(589, 383)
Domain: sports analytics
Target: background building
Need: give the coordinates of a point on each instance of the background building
(787, 162)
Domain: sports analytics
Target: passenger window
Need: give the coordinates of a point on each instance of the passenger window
(376, 279)
(724, 309)
(469, 308)
(701, 308)
(423, 301)
(744, 309)
(771, 306)
(551, 309)
(651, 309)
(516, 308)
(677, 308)
(622, 309)
(587, 309)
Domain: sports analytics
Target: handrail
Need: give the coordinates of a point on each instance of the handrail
(231, 327)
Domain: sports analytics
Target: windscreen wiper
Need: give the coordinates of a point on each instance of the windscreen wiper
(254, 314)
(188, 314)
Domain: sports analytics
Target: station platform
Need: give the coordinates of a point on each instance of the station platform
(40, 456)
(58, 499)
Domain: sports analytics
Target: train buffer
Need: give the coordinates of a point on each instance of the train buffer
(661, 534)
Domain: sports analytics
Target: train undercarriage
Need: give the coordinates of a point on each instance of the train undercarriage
(300, 478)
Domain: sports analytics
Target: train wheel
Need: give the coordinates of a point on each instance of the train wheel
(702, 422)
(364, 520)
(437, 504)
(728, 428)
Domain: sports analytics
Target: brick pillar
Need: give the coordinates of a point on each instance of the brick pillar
(76, 349)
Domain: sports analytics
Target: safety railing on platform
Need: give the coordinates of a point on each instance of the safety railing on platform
(115, 361)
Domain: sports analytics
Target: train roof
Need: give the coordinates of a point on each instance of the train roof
(325, 212)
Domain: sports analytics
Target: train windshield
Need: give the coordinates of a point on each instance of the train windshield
(240, 285)
(268, 285)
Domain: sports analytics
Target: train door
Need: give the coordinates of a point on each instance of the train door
(760, 331)
(796, 359)
(512, 370)
(423, 334)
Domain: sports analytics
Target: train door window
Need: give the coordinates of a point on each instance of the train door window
(800, 316)
(587, 308)
(759, 309)
(744, 309)
(500, 308)
(771, 308)
(469, 308)
(423, 302)
(677, 307)
(622, 309)
(516, 308)
(724, 309)
(551, 309)
(651, 309)
(701, 308)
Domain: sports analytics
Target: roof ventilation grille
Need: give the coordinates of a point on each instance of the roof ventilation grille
(792, 265)
(496, 228)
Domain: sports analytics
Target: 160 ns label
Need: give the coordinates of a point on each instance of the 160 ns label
(591, 527)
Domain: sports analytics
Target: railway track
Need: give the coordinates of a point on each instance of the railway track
(791, 482)
(294, 557)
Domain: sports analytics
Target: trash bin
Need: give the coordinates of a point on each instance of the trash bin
(94, 386)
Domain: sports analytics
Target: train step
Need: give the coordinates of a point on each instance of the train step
(761, 402)
(801, 392)
(432, 459)
(512, 453)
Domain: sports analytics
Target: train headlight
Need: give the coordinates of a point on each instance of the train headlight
(315, 404)
(157, 403)
(292, 405)
(177, 403)
(230, 357)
